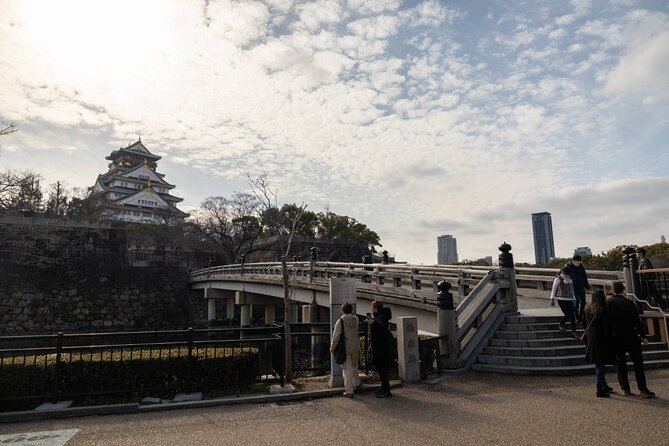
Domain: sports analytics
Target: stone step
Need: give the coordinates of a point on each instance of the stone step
(560, 350)
(548, 342)
(543, 326)
(555, 361)
(540, 334)
(586, 369)
(523, 319)
(576, 348)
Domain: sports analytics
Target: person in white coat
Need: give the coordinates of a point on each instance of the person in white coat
(349, 323)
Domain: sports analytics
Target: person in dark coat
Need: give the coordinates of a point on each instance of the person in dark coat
(576, 271)
(648, 289)
(599, 346)
(379, 322)
(628, 337)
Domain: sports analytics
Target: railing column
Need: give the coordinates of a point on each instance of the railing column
(446, 318)
(312, 262)
(633, 284)
(241, 265)
(507, 271)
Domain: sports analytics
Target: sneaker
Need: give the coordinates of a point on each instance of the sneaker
(348, 395)
(385, 394)
(608, 389)
(562, 327)
(647, 393)
(601, 394)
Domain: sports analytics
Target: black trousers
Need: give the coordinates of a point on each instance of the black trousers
(567, 307)
(384, 375)
(633, 348)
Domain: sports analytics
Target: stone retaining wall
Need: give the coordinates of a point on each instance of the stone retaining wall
(84, 278)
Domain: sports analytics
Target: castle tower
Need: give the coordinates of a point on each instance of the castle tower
(133, 191)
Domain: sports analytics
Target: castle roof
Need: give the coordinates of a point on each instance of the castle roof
(134, 149)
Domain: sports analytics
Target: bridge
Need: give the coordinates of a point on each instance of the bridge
(484, 307)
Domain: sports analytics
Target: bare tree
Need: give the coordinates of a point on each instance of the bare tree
(20, 191)
(268, 199)
(8, 127)
(56, 204)
(230, 223)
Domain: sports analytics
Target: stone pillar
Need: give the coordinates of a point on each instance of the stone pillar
(270, 313)
(449, 347)
(507, 271)
(245, 315)
(342, 289)
(407, 348)
(230, 308)
(211, 309)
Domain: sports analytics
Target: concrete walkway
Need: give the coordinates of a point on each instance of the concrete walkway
(469, 409)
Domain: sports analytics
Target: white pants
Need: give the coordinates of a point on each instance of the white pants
(350, 372)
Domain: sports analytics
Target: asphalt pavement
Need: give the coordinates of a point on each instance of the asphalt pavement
(468, 409)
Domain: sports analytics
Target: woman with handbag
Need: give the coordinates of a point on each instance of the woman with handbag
(598, 339)
(346, 327)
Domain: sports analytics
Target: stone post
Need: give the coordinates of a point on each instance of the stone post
(342, 289)
(449, 348)
(313, 256)
(385, 257)
(407, 348)
(508, 272)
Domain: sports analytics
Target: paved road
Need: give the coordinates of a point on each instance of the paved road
(471, 409)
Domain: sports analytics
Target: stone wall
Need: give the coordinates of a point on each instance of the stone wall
(68, 277)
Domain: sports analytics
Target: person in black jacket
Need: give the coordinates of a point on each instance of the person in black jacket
(580, 278)
(599, 348)
(379, 322)
(628, 337)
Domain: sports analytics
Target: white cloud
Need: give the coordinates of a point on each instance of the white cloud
(643, 70)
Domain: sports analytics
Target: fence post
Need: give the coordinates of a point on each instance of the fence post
(189, 341)
(59, 351)
(407, 348)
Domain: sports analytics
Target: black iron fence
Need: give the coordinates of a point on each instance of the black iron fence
(654, 286)
(156, 363)
(428, 351)
(40, 368)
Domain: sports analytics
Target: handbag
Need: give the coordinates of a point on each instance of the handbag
(340, 349)
(584, 336)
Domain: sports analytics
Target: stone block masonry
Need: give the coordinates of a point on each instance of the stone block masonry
(74, 278)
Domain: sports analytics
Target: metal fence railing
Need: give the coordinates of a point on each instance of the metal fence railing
(71, 366)
(654, 286)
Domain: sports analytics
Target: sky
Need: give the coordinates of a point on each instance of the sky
(418, 118)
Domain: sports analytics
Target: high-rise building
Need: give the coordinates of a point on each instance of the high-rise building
(133, 191)
(447, 250)
(583, 251)
(542, 228)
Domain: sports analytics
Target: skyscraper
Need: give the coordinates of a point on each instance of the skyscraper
(447, 250)
(542, 228)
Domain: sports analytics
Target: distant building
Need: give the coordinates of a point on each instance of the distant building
(542, 229)
(487, 260)
(133, 191)
(447, 250)
(583, 251)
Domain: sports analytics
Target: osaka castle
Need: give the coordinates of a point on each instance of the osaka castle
(133, 191)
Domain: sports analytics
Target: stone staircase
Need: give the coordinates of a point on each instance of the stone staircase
(533, 345)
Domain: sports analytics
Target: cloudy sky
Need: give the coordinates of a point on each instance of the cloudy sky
(418, 118)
